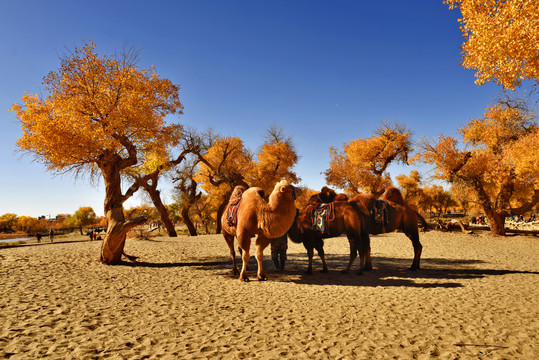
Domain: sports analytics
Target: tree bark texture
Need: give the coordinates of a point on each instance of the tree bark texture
(188, 222)
(114, 241)
(163, 211)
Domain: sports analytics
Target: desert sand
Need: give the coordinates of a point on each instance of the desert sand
(476, 297)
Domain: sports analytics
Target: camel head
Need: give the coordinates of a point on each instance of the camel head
(393, 194)
(284, 189)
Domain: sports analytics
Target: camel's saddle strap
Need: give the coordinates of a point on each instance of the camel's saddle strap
(232, 213)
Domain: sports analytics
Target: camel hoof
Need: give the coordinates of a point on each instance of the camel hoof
(244, 279)
(309, 271)
(262, 278)
(414, 268)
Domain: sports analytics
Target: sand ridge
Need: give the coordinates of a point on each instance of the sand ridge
(476, 297)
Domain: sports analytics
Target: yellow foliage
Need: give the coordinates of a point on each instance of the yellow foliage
(97, 108)
(410, 187)
(502, 40)
(275, 161)
(362, 164)
(500, 167)
(524, 156)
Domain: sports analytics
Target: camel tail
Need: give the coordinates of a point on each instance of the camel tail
(422, 220)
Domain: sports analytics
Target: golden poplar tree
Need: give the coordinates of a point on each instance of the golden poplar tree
(226, 164)
(410, 188)
(501, 40)
(84, 216)
(101, 115)
(275, 162)
(499, 166)
(362, 165)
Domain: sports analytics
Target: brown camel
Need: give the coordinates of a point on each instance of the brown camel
(398, 217)
(255, 216)
(342, 217)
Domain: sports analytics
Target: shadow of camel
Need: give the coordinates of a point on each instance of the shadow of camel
(388, 272)
(436, 272)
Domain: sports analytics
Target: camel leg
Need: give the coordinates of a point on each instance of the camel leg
(310, 254)
(261, 244)
(368, 263)
(230, 242)
(414, 237)
(361, 263)
(319, 246)
(261, 276)
(353, 255)
(244, 244)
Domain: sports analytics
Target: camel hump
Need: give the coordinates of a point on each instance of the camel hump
(393, 194)
(237, 193)
(328, 195)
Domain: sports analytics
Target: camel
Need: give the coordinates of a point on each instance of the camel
(400, 217)
(255, 216)
(343, 217)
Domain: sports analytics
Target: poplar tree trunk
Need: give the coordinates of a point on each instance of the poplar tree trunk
(496, 223)
(188, 222)
(114, 241)
(163, 211)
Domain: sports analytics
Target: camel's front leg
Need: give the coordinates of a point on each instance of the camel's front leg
(261, 244)
(319, 246)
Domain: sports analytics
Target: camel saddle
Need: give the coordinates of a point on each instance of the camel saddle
(232, 213)
(321, 215)
(379, 212)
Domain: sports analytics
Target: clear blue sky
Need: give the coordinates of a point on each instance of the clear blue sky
(327, 72)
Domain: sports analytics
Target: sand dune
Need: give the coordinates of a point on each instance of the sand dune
(476, 297)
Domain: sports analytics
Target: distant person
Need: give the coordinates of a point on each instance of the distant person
(91, 234)
(38, 236)
(51, 235)
(279, 246)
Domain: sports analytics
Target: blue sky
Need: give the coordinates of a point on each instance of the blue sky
(327, 72)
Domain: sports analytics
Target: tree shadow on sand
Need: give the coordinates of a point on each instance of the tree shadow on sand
(203, 263)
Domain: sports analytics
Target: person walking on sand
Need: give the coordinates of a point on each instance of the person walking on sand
(51, 235)
(38, 236)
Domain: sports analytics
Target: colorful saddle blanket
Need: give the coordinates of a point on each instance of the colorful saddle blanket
(379, 212)
(232, 213)
(321, 215)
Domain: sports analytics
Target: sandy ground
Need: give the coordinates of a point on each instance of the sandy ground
(476, 297)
